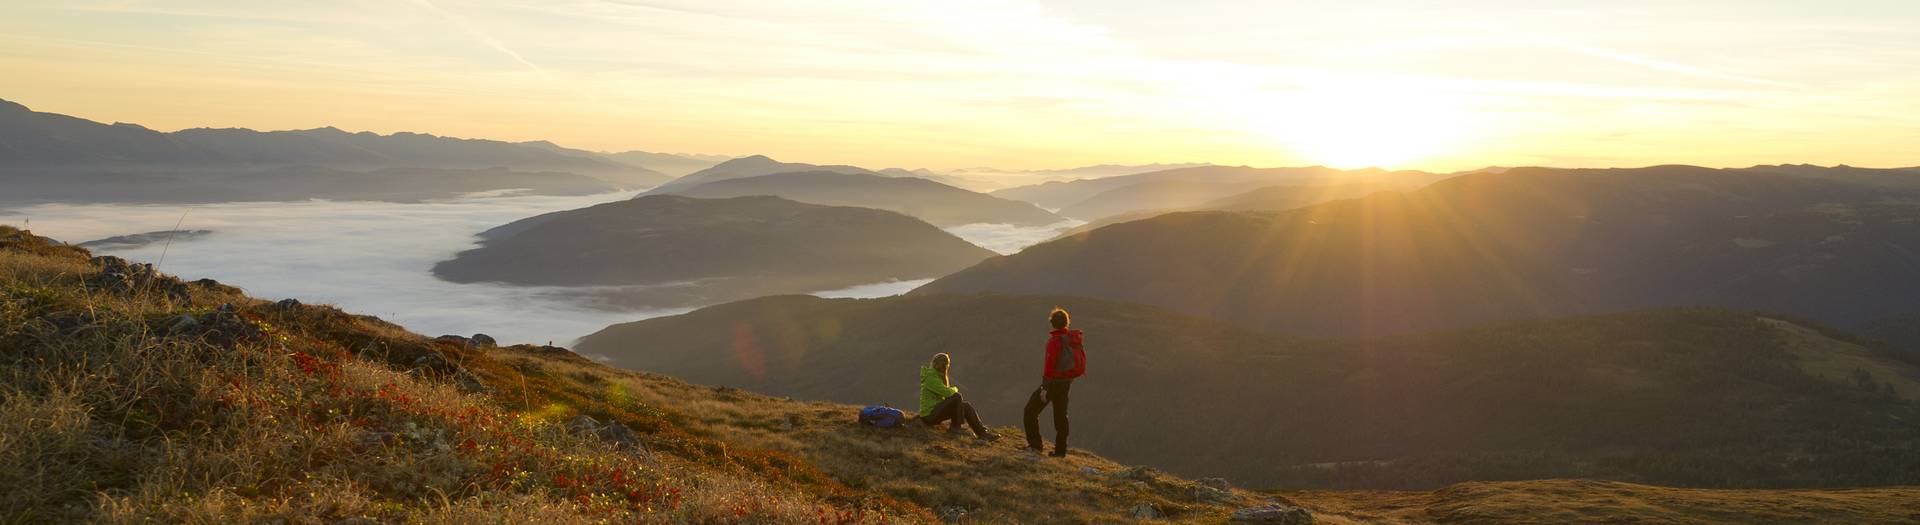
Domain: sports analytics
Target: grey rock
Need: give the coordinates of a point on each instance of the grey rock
(951, 513)
(434, 362)
(287, 304)
(1212, 490)
(454, 340)
(618, 434)
(184, 323)
(1139, 473)
(469, 383)
(484, 341)
(1273, 513)
(1146, 511)
(584, 424)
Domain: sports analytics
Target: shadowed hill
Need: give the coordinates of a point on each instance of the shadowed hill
(1582, 501)
(1273, 198)
(1699, 397)
(693, 251)
(1525, 243)
(1901, 331)
(931, 201)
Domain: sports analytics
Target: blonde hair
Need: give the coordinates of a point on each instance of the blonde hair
(1058, 318)
(942, 362)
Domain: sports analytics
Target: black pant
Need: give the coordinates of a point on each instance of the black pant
(956, 409)
(1053, 391)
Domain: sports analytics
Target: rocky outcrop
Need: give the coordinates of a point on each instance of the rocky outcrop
(1274, 514)
(612, 432)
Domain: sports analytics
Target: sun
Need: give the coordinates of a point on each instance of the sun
(1365, 126)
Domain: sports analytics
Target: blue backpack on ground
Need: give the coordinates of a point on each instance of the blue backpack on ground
(882, 416)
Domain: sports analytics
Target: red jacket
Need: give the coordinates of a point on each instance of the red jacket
(1053, 351)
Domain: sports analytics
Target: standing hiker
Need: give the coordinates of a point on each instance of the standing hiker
(1066, 359)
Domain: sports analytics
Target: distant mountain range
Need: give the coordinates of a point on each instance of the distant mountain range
(913, 192)
(1093, 199)
(1083, 172)
(1677, 397)
(743, 167)
(673, 251)
(672, 164)
(47, 156)
(931, 201)
(1837, 244)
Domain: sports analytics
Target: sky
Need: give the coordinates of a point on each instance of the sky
(1019, 84)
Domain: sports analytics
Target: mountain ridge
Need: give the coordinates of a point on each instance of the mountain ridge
(1523, 243)
(940, 204)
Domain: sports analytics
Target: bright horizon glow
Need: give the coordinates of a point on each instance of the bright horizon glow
(1017, 84)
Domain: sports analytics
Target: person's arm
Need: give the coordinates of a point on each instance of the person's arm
(1053, 351)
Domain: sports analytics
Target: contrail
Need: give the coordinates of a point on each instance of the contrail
(1628, 58)
(1661, 65)
(483, 37)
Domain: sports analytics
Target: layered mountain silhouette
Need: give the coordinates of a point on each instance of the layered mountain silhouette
(1838, 245)
(1278, 197)
(1093, 199)
(47, 156)
(749, 166)
(1680, 397)
(676, 251)
(931, 201)
(914, 192)
(671, 164)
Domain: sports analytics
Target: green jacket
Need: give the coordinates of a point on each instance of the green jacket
(932, 389)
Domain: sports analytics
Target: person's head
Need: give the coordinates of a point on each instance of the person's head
(942, 361)
(1058, 317)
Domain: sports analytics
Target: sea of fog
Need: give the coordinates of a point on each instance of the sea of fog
(374, 257)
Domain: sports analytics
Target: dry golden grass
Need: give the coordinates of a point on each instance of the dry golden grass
(114, 410)
(994, 482)
(111, 413)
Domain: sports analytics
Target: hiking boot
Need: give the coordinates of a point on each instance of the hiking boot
(988, 437)
(1059, 453)
(1030, 454)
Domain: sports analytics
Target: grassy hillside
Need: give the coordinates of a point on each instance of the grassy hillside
(1689, 397)
(726, 248)
(1493, 246)
(930, 201)
(114, 408)
(128, 396)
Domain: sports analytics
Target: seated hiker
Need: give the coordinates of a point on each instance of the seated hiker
(940, 400)
(1066, 359)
